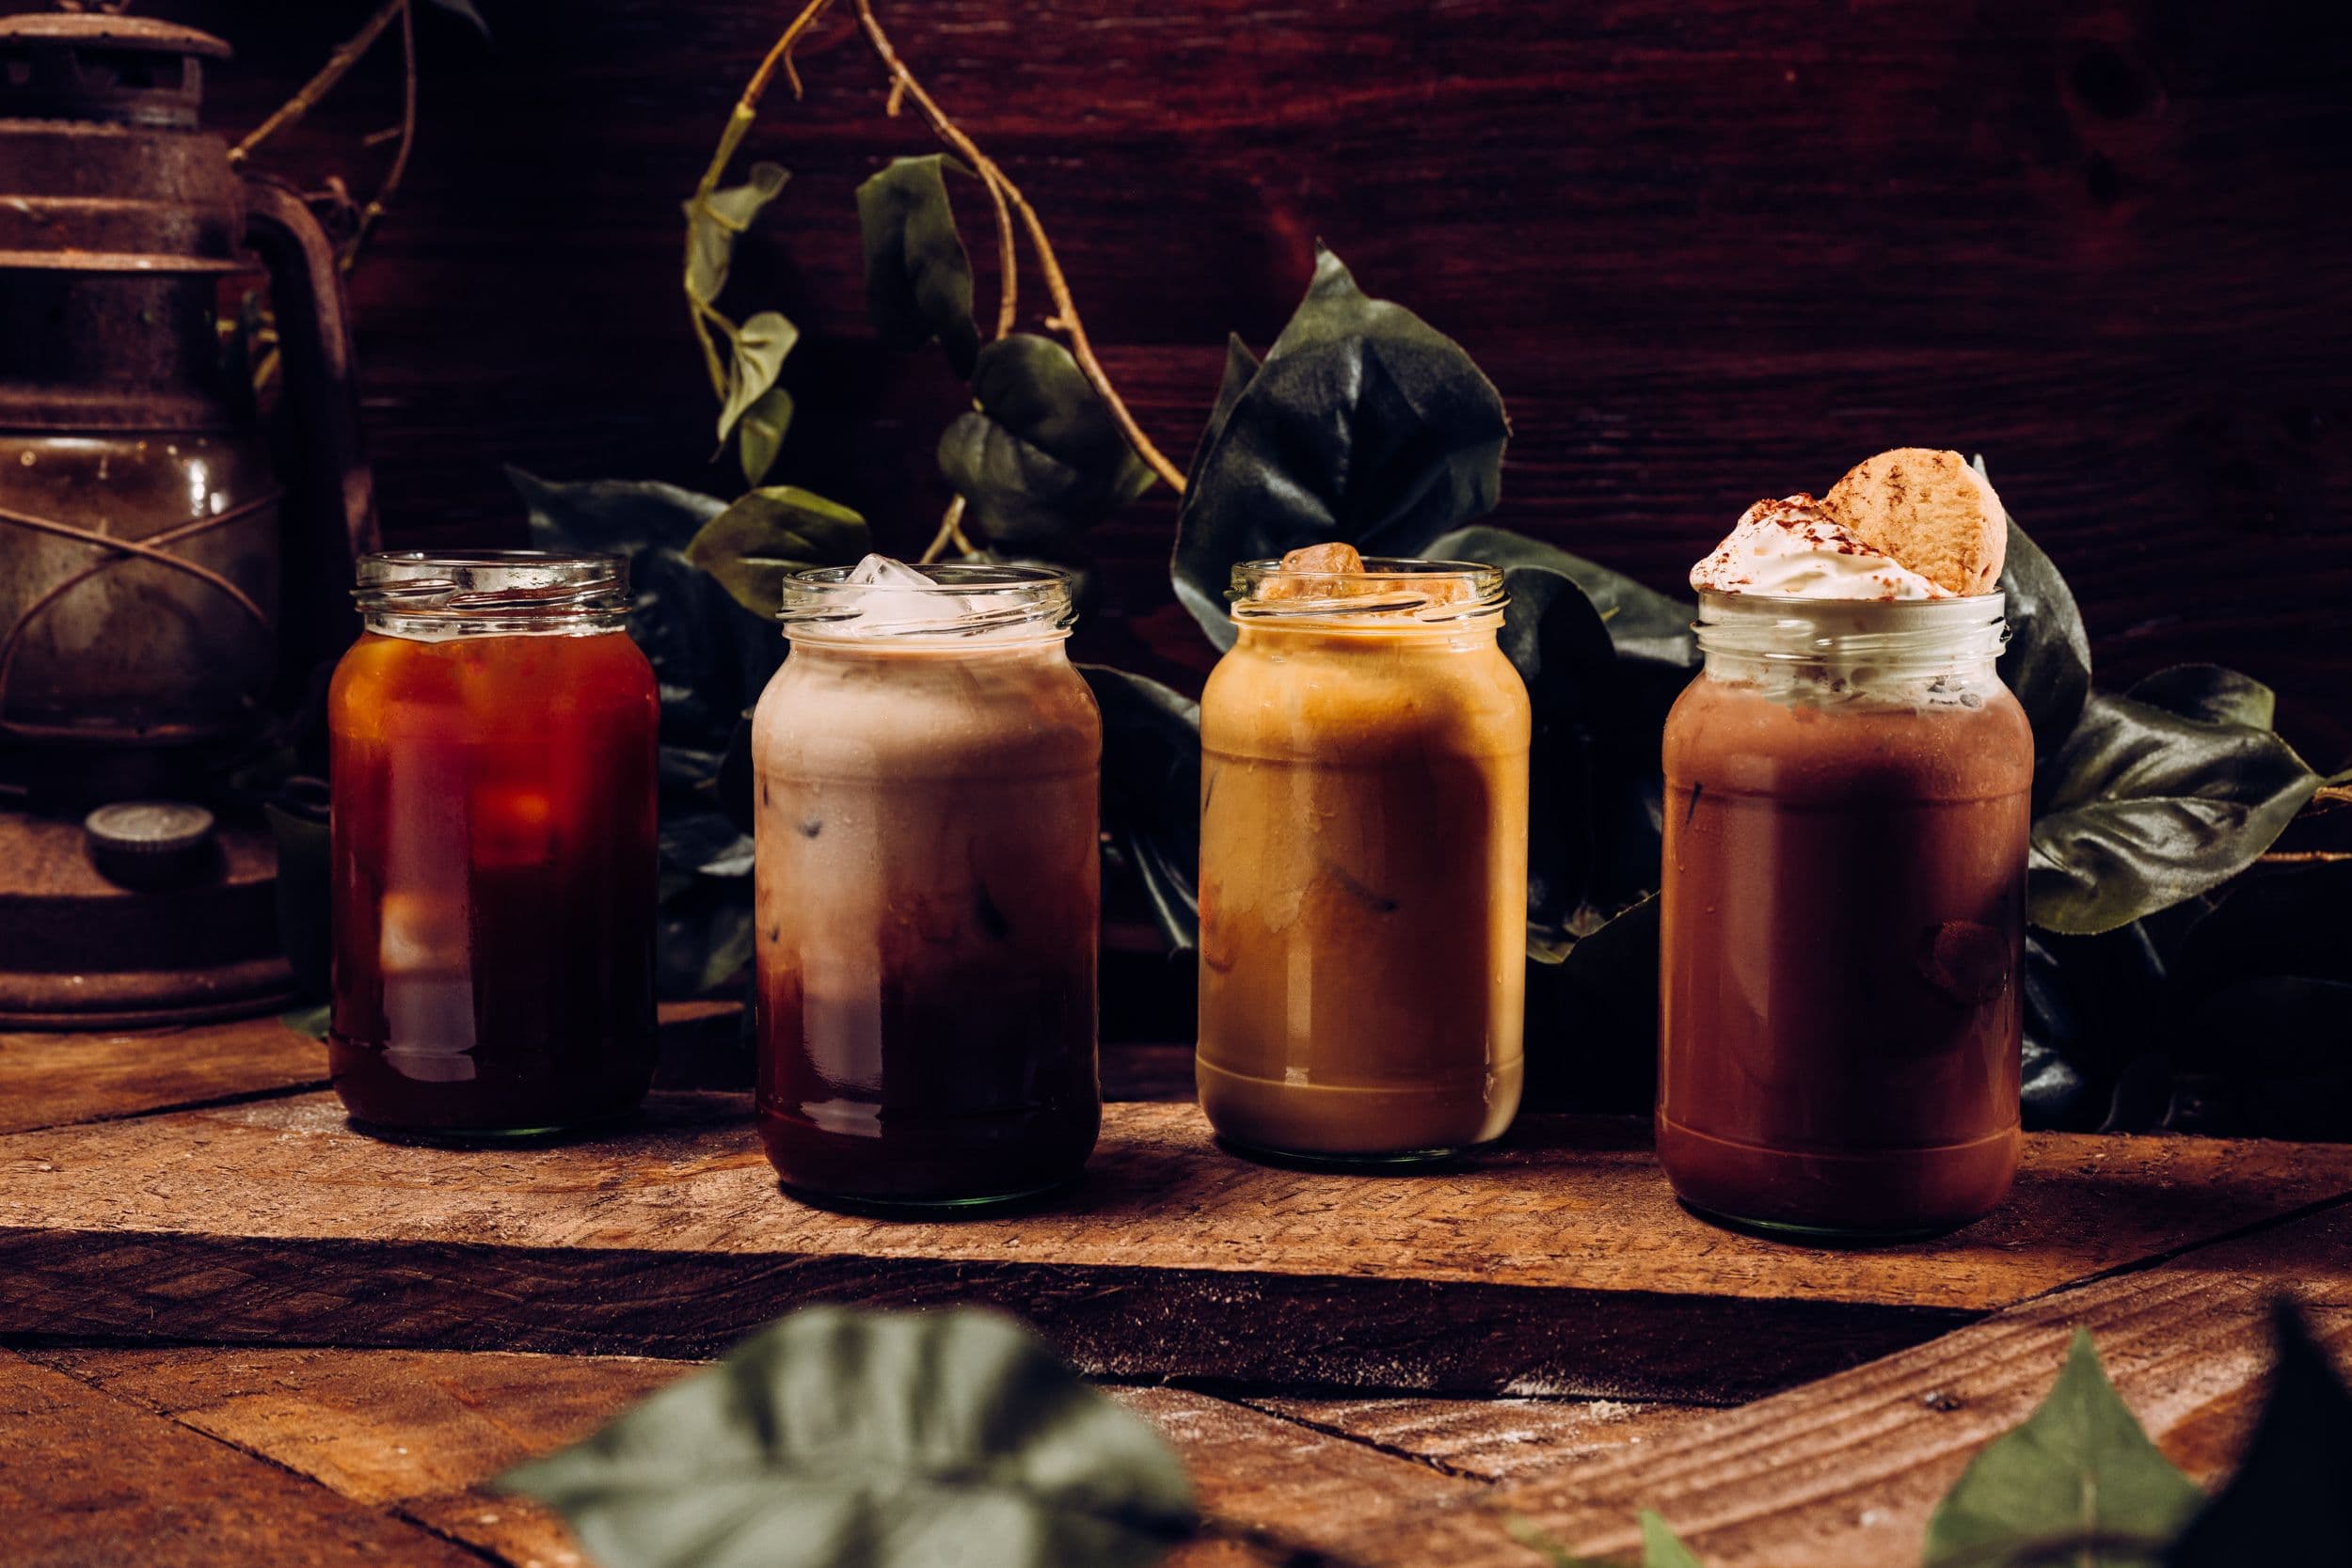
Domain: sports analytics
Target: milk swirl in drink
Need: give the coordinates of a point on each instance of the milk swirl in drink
(928, 888)
(1848, 798)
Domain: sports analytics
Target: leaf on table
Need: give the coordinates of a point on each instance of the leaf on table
(1151, 792)
(713, 223)
(2079, 1464)
(844, 1439)
(2148, 805)
(2048, 662)
(1660, 1546)
(760, 346)
(768, 535)
(1041, 459)
(1363, 424)
(2290, 1501)
(759, 434)
(918, 280)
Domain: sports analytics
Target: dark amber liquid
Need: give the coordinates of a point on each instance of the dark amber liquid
(1841, 935)
(493, 819)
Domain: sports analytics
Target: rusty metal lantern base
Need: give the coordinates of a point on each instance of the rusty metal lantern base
(185, 954)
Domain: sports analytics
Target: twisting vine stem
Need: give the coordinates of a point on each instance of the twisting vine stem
(337, 66)
(1008, 203)
(373, 211)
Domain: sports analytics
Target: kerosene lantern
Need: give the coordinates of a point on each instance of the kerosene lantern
(148, 540)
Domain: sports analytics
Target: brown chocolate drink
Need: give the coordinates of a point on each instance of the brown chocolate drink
(1848, 798)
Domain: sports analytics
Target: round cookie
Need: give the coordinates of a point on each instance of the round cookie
(1929, 511)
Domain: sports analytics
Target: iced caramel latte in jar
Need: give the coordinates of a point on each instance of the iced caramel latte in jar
(1363, 862)
(927, 887)
(1849, 793)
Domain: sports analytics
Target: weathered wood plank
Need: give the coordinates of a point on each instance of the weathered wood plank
(90, 1482)
(1491, 1440)
(55, 1080)
(420, 1433)
(1559, 1267)
(1844, 1473)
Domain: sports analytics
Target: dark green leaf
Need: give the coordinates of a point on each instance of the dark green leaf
(465, 9)
(918, 280)
(1151, 792)
(1240, 366)
(2210, 693)
(2146, 807)
(1042, 458)
(2080, 1463)
(304, 890)
(760, 346)
(841, 1439)
(1363, 424)
(1650, 628)
(713, 223)
(2290, 1502)
(1592, 1021)
(313, 1021)
(702, 927)
(2048, 662)
(1661, 1547)
(768, 535)
(760, 433)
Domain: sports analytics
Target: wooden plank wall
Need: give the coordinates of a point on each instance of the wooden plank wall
(1707, 248)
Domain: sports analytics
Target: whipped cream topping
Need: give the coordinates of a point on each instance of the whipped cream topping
(1793, 546)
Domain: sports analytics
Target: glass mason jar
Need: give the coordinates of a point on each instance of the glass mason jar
(493, 739)
(1363, 864)
(928, 890)
(1849, 791)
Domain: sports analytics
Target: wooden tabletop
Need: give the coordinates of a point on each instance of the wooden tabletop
(238, 1330)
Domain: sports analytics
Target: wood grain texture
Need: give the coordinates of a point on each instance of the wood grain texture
(1489, 1440)
(1844, 1473)
(89, 1482)
(1560, 1267)
(1707, 251)
(52, 1080)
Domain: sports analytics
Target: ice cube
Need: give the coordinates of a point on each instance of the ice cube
(896, 598)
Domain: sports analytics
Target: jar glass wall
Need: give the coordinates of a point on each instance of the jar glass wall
(493, 737)
(928, 891)
(1363, 864)
(1848, 796)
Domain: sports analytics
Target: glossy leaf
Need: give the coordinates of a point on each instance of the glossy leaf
(760, 346)
(1041, 459)
(1363, 424)
(2209, 693)
(768, 535)
(1151, 792)
(2147, 806)
(1592, 1021)
(2290, 1501)
(2079, 1464)
(465, 10)
(1240, 366)
(844, 1439)
(918, 280)
(2048, 662)
(713, 224)
(759, 434)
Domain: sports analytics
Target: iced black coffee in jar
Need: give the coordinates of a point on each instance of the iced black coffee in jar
(1849, 792)
(928, 888)
(1363, 862)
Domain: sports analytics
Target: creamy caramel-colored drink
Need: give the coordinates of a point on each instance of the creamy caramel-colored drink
(928, 888)
(1363, 862)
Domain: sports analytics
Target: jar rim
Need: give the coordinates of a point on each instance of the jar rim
(1389, 590)
(1010, 602)
(1783, 626)
(502, 585)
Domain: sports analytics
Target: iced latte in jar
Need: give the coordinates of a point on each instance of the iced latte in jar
(928, 888)
(1363, 862)
(1847, 797)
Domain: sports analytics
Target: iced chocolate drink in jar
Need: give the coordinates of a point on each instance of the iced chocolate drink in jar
(1848, 798)
(1363, 862)
(928, 888)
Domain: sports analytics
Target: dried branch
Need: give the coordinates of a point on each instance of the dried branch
(950, 533)
(339, 64)
(1007, 200)
(373, 211)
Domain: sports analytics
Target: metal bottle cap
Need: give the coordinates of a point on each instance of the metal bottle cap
(145, 843)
